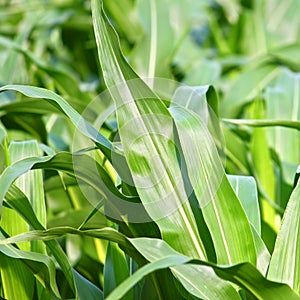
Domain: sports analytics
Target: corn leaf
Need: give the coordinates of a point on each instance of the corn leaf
(86, 289)
(81, 166)
(262, 252)
(245, 88)
(16, 277)
(17, 200)
(285, 261)
(146, 131)
(38, 264)
(285, 141)
(115, 270)
(151, 57)
(31, 182)
(65, 82)
(244, 274)
(246, 191)
(221, 208)
(83, 126)
(161, 255)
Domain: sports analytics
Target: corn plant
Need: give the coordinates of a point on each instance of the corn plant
(133, 186)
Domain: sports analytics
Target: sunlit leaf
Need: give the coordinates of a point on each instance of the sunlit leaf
(212, 188)
(40, 265)
(283, 140)
(246, 190)
(284, 265)
(146, 131)
(74, 116)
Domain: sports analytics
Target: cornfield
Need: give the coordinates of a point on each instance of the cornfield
(149, 149)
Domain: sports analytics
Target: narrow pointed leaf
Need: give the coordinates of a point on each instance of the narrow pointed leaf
(262, 253)
(198, 277)
(152, 55)
(285, 141)
(16, 277)
(32, 181)
(246, 191)
(162, 255)
(245, 88)
(40, 265)
(146, 131)
(84, 167)
(261, 158)
(264, 123)
(64, 80)
(83, 126)
(86, 289)
(127, 285)
(16, 280)
(106, 233)
(20, 203)
(285, 261)
(115, 270)
(223, 213)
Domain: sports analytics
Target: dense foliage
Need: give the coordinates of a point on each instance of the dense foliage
(149, 149)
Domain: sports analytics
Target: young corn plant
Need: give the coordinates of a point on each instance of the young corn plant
(138, 202)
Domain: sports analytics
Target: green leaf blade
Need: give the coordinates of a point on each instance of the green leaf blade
(221, 208)
(285, 261)
(146, 131)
